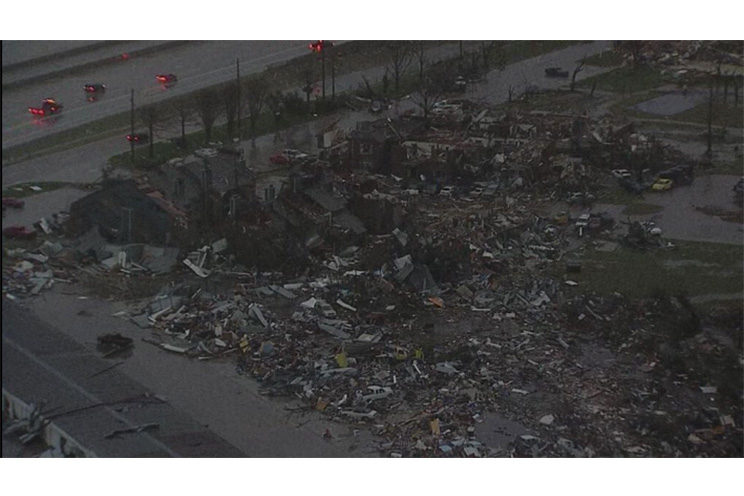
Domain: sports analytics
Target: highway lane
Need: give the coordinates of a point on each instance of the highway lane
(85, 163)
(197, 66)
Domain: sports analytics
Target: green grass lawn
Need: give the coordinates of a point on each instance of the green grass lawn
(724, 114)
(626, 80)
(639, 274)
(24, 190)
(558, 101)
(608, 58)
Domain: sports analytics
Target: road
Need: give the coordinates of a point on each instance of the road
(197, 66)
(210, 393)
(88, 398)
(85, 163)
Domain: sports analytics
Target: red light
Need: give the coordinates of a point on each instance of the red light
(41, 111)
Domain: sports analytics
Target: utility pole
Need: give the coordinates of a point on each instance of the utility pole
(131, 116)
(710, 121)
(322, 67)
(333, 73)
(237, 84)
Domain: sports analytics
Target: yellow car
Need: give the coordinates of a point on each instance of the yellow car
(662, 185)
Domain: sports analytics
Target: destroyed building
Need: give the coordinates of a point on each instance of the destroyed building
(124, 214)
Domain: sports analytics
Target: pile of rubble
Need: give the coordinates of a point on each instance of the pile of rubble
(423, 317)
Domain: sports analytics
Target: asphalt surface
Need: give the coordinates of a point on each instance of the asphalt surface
(209, 392)
(90, 399)
(197, 66)
(78, 56)
(85, 163)
(17, 51)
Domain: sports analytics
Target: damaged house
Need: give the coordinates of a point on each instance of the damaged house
(216, 187)
(125, 214)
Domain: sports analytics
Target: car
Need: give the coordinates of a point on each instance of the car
(138, 138)
(13, 203)
(477, 191)
(166, 78)
(444, 107)
(447, 191)
(461, 84)
(94, 88)
(377, 393)
(662, 184)
(206, 153)
(20, 232)
(556, 72)
(279, 159)
(293, 155)
(622, 173)
(49, 106)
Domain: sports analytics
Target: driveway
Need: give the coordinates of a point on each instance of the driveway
(680, 220)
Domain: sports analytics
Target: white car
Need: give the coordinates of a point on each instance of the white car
(294, 154)
(477, 192)
(622, 173)
(377, 393)
(447, 191)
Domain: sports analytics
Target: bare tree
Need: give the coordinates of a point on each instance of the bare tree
(230, 96)
(150, 117)
(183, 110)
(274, 102)
(635, 47)
(399, 60)
(256, 91)
(486, 48)
(576, 71)
(208, 105)
(436, 80)
(419, 54)
(308, 77)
